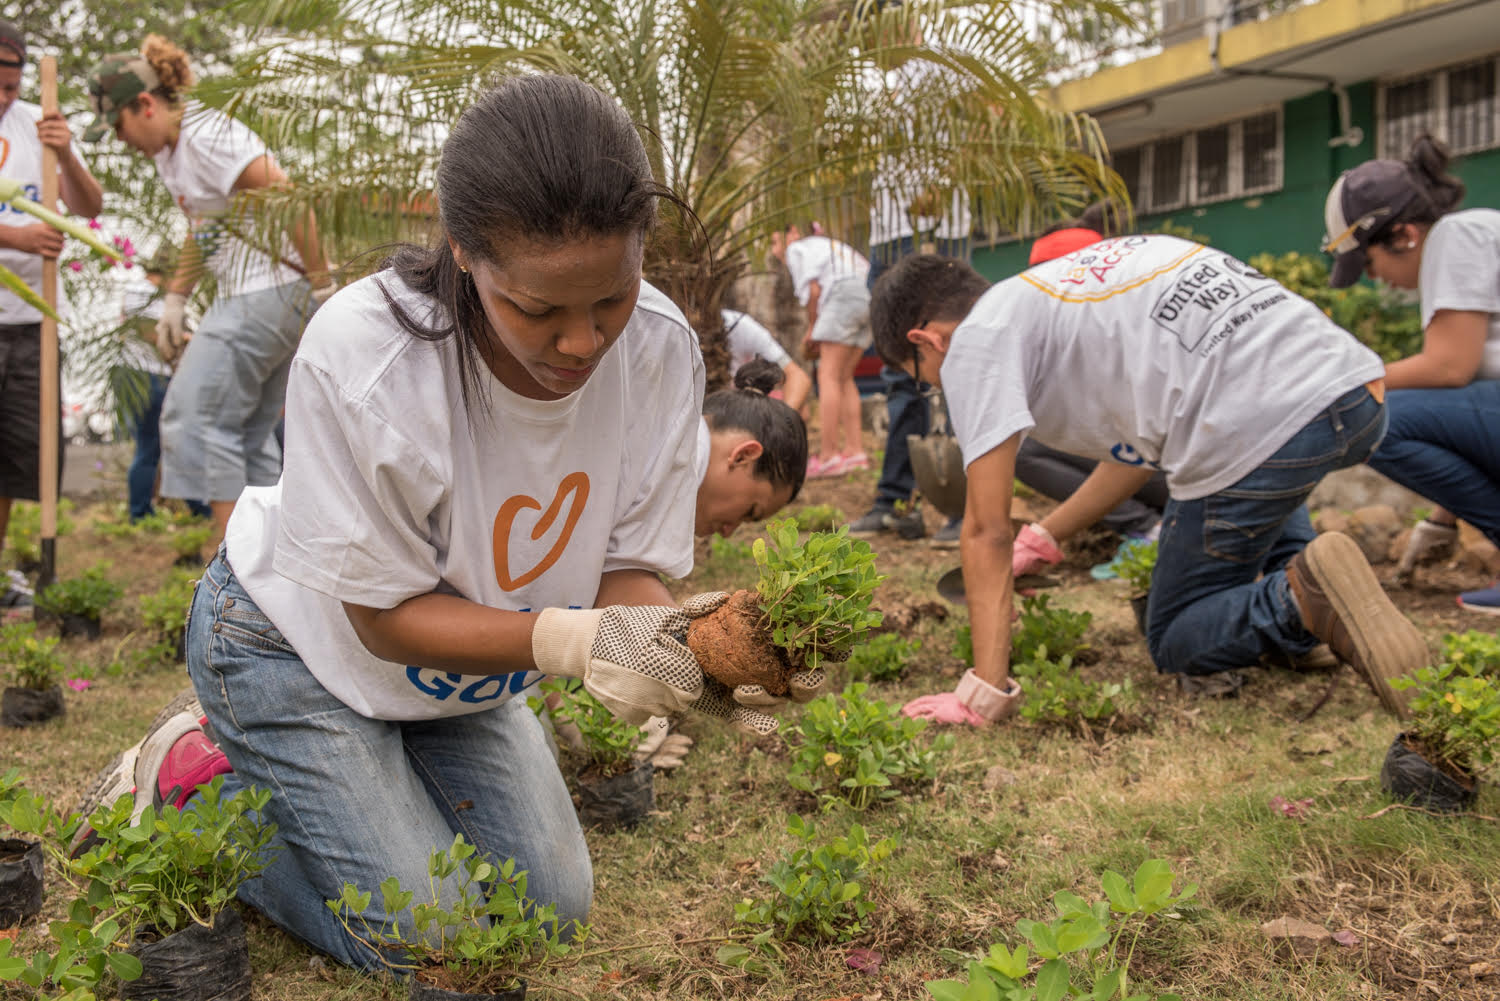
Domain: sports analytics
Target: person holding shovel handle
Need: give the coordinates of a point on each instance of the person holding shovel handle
(1398, 221)
(490, 461)
(24, 132)
(1151, 352)
(220, 412)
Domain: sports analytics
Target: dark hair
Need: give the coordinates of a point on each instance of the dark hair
(539, 157)
(1102, 217)
(778, 428)
(919, 290)
(1438, 192)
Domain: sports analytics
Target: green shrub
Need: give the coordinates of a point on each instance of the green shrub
(1081, 947)
(1056, 693)
(859, 750)
(1473, 652)
(820, 518)
(31, 661)
(815, 594)
(1456, 704)
(820, 892)
(882, 657)
(23, 533)
(1042, 627)
(609, 742)
(1136, 564)
(486, 941)
(1378, 316)
(88, 594)
(188, 540)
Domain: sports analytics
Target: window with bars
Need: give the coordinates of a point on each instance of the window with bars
(1457, 104)
(1233, 160)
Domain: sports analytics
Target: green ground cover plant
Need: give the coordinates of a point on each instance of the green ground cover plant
(1044, 628)
(1456, 705)
(1081, 948)
(882, 657)
(1056, 693)
(860, 751)
(88, 595)
(821, 891)
(28, 660)
(164, 614)
(820, 517)
(815, 593)
(23, 533)
(486, 942)
(609, 743)
(1135, 566)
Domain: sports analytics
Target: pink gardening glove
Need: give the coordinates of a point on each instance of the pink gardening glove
(1034, 547)
(942, 708)
(974, 701)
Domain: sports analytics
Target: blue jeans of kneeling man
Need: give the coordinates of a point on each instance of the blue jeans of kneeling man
(1219, 594)
(358, 800)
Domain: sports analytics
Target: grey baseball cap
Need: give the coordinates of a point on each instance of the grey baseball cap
(1361, 204)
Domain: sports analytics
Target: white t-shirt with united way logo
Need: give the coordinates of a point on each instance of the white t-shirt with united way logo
(748, 338)
(1148, 350)
(393, 489)
(823, 260)
(211, 153)
(21, 160)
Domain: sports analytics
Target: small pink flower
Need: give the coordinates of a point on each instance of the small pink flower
(78, 684)
(95, 224)
(864, 960)
(1291, 809)
(75, 265)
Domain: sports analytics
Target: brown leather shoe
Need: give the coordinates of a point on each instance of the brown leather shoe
(1343, 605)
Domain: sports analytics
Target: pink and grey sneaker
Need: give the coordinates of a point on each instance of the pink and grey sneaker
(819, 469)
(172, 760)
(854, 463)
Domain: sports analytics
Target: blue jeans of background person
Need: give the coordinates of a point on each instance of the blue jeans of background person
(358, 800)
(1057, 475)
(145, 427)
(1445, 445)
(228, 392)
(1219, 594)
(906, 408)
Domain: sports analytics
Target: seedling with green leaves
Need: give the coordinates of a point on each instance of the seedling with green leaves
(882, 657)
(1456, 706)
(1056, 693)
(812, 603)
(30, 661)
(1081, 947)
(86, 595)
(491, 938)
(609, 742)
(1135, 566)
(821, 893)
(860, 751)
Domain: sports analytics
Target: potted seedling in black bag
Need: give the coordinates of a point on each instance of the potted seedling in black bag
(614, 788)
(79, 602)
(21, 860)
(482, 948)
(172, 877)
(1453, 736)
(33, 693)
(812, 603)
(1135, 566)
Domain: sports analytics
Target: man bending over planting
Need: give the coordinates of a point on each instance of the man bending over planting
(1146, 353)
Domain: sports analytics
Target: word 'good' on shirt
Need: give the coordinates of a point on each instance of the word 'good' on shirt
(1148, 350)
(393, 488)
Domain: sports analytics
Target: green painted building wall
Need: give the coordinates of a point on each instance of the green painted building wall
(1292, 218)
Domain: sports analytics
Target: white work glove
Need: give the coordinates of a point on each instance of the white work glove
(804, 686)
(172, 333)
(635, 660)
(660, 746)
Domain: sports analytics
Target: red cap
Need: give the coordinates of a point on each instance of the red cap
(1061, 243)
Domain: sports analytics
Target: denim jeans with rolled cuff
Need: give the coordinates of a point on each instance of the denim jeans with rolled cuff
(1219, 594)
(1445, 445)
(359, 800)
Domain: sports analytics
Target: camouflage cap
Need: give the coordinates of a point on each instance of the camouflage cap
(113, 84)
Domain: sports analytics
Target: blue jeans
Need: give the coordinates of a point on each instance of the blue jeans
(358, 800)
(1219, 594)
(145, 427)
(1445, 445)
(907, 411)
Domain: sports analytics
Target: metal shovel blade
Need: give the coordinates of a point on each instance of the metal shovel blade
(950, 586)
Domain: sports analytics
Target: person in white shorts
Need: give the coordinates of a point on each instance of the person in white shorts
(1147, 353)
(829, 278)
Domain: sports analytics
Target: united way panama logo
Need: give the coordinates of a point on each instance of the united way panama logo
(567, 504)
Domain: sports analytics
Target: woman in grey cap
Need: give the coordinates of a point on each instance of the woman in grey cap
(1398, 221)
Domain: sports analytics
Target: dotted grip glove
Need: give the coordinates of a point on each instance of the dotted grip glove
(635, 660)
(172, 331)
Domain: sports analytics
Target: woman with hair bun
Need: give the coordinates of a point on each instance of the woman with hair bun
(1399, 222)
(752, 452)
(220, 412)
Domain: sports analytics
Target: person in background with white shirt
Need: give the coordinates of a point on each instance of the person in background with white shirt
(1145, 353)
(1397, 221)
(220, 413)
(491, 461)
(829, 278)
(749, 339)
(24, 242)
(752, 452)
(143, 384)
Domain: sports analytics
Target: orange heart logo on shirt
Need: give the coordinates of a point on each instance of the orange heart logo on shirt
(576, 484)
(4, 150)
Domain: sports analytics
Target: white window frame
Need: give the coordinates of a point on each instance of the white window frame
(1235, 189)
(1435, 118)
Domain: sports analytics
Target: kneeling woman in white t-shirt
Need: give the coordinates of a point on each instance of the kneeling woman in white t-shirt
(752, 452)
(503, 424)
(1146, 353)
